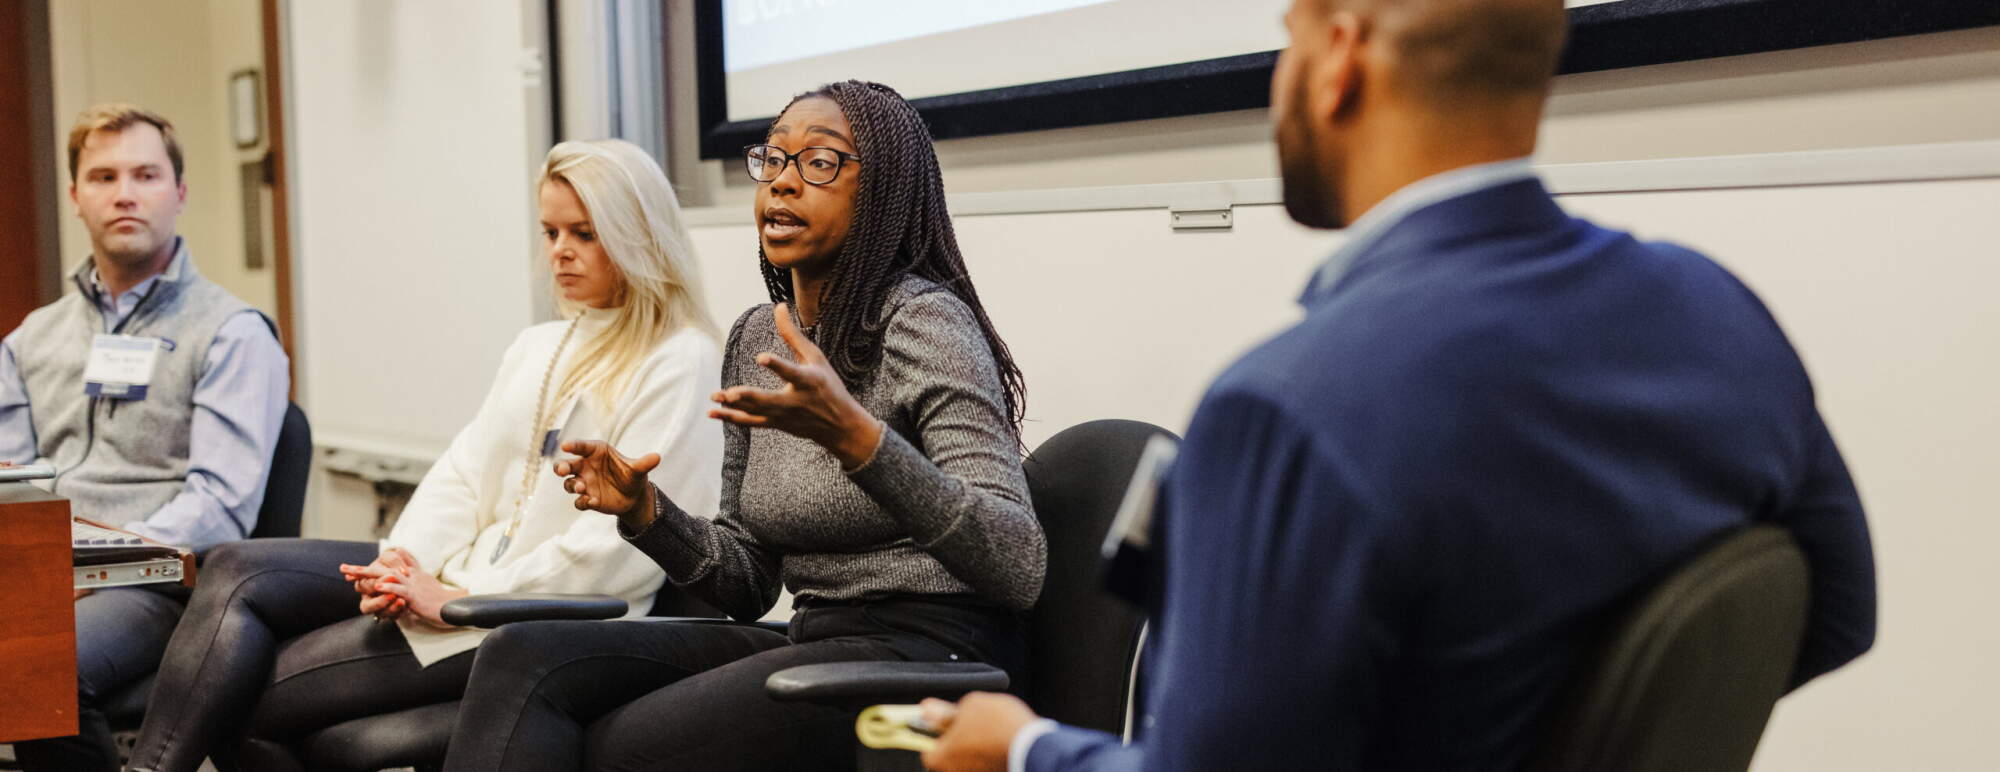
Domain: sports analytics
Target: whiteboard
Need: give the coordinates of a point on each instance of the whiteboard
(773, 49)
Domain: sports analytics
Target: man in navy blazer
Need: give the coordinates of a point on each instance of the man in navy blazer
(1393, 529)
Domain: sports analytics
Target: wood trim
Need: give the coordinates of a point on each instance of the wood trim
(38, 642)
(279, 161)
(20, 260)
(49, 178)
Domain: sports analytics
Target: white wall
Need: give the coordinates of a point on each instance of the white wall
(1883, 288)
(1885, 291)
(237, 27)
(1928, 88)
(416, 134)
(1109, 314)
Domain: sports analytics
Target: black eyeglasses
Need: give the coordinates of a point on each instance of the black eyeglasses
(817, 165)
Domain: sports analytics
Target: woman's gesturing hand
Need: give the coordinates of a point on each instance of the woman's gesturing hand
(606, 481)
(813, 404)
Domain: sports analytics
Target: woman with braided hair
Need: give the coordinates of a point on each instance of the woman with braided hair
(870, 464)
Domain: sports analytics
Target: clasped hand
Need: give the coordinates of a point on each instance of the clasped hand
(813, 404)
(396, 587)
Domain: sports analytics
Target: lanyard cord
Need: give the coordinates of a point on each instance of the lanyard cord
(544, 415)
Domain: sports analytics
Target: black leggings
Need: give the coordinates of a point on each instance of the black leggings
(661, 695)
(273, 646)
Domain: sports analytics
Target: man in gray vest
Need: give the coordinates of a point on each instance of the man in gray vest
(155, 394)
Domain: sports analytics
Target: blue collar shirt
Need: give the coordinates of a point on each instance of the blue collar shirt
(240, 404)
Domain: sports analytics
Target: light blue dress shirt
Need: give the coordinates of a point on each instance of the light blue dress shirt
(239, 402)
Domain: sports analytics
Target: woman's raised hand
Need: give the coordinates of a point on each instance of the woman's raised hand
(813, 404)
(606, 481)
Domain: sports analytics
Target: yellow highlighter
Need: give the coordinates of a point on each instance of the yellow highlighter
(899, 727)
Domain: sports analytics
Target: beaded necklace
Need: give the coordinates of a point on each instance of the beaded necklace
(538, 445)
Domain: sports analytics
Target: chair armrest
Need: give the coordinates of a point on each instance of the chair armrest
(870, 682)
(779, 627)
(501, 608)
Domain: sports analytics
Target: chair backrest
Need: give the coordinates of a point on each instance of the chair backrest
(284, 504)
(1688, 676)
(1082, 640)
(291, 465)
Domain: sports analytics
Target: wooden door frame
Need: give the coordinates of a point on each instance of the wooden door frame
(42, 134)
(30, 128)
(281, 175)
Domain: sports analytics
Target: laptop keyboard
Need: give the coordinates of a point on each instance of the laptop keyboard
(84, 535)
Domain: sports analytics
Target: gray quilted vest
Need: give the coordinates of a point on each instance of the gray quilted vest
(120, 460)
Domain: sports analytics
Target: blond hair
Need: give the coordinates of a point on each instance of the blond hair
(637, 218)
(116, 117)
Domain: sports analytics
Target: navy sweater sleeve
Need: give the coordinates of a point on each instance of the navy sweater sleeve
(1827, 520)
(1271, 631)
(1069, 749)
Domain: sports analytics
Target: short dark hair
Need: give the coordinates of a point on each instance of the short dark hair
(1458, 50)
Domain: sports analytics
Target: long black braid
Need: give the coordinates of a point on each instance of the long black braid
(900, 227)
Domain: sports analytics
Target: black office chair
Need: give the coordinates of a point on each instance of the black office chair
(279, 515)
(411, 738)
(285, 492)
(418, 737)
(1083, 643)
(1687, 677)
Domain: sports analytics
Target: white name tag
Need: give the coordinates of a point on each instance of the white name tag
(121, 366)
(553, 439)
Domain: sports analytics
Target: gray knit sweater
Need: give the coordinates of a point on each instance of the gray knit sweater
(941, 509)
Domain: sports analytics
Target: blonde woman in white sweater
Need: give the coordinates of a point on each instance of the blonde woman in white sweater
(288, 636)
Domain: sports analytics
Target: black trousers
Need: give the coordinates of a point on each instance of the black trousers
(273, 646)
(656, 695)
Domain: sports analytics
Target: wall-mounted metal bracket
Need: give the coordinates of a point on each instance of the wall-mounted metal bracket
(1203, 219)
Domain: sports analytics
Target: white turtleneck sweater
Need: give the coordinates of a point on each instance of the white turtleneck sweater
(458, 514)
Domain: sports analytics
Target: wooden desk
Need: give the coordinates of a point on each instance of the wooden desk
(38, 638)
